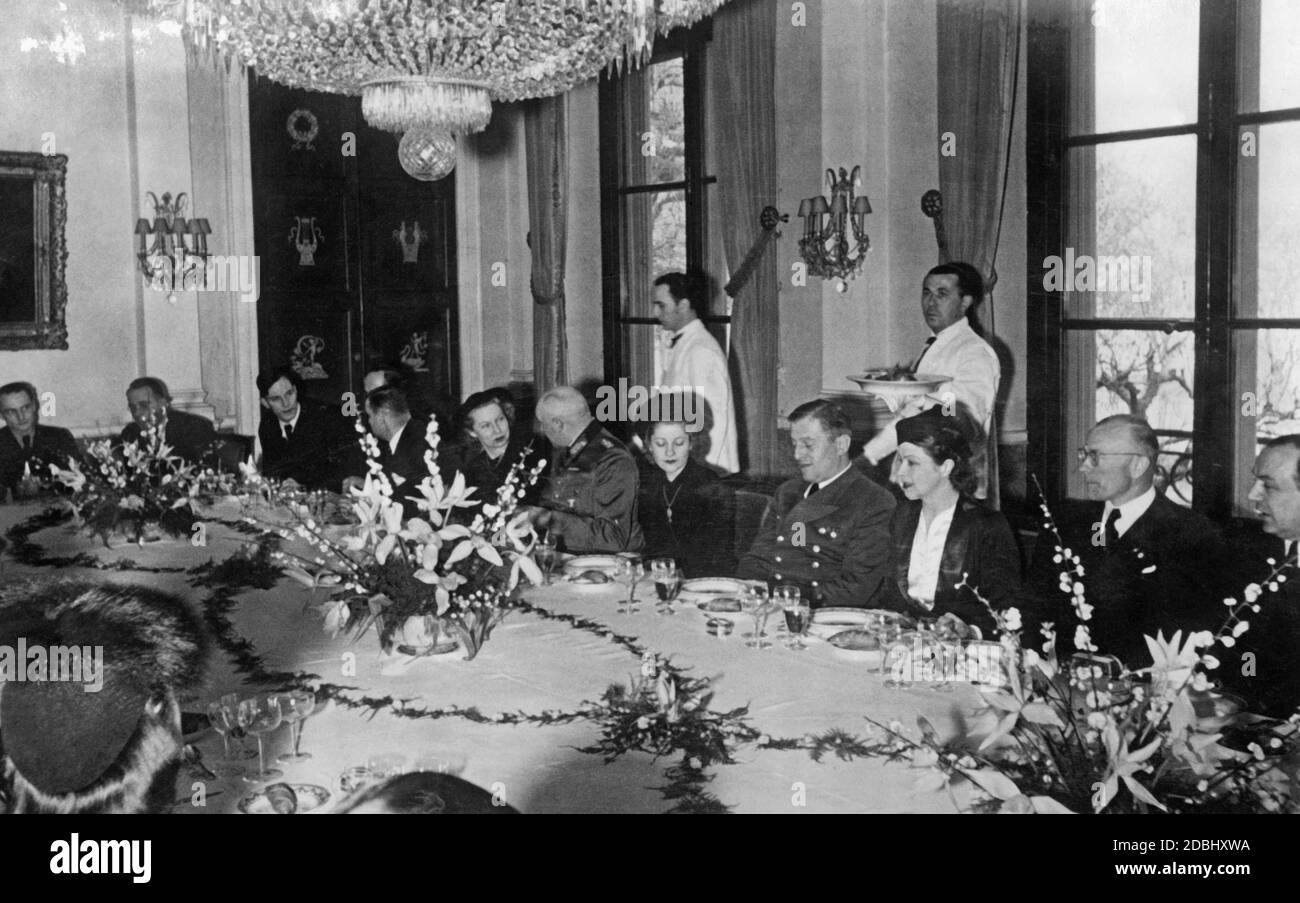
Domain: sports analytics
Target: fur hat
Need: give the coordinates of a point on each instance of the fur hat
(61, 735)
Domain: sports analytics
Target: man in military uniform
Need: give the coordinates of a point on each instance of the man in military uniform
(589, 500)
(829, 531)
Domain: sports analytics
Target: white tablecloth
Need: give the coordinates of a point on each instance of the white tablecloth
(530, 665)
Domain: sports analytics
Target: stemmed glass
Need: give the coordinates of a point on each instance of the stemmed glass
(544, 555)
(630, 571)
(295, 707)
(668, 583)
(889, 632)
(258, 716)
(798, 614)
(224, 720)
(755, 601)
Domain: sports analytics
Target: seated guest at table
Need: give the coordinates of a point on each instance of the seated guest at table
(589, 500)
(828, 531)
(191, 437)
(303, 443)
(1149, 565)
(1263, 667)
(26, 445)
(941, 535)
(494, 444)
(400, 378)
(109, 739)
(684, 510)
(402, 446)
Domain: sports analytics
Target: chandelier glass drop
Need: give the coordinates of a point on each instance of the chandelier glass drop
(434, 65)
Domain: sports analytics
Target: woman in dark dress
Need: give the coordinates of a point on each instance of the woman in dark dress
(941, 535)
(492, 446)
(685, 512)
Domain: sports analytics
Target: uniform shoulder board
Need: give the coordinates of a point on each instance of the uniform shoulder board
(606, 443)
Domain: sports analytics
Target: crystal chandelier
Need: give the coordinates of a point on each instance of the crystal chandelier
(435, 65)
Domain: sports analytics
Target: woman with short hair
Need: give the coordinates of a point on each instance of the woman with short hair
(493, 445)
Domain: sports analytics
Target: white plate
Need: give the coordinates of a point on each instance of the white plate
(606, 564)
(923, 384)
(827, 622)
(713, 586)
(310, 796)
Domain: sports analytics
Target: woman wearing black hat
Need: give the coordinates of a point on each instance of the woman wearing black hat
(942, 536)
(493, 446)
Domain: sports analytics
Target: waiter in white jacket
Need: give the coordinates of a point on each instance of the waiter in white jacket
(954, 349)
(693, 360)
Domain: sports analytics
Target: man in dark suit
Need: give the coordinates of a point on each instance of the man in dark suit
(401, 445)
(27, 446)
(829, 531)
(190, 436)
(1263, 666)
(307, 444)
(1149, 565)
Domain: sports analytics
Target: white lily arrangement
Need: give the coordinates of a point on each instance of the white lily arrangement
(444, 567)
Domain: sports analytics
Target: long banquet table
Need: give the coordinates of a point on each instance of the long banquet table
(530, 665)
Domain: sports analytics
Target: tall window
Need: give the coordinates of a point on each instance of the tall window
(657, 197)
(1175, 169)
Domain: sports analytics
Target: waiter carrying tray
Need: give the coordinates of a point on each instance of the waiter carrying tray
(954, 350)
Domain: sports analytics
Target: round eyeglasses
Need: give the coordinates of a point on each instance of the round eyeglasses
(1092, 455)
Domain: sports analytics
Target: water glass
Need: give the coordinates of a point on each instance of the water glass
(223, 721)
(756, 602)
(798, 614)
(544, 555)
(668, 583)
(258, 716)
(295, 707)
(630, 571)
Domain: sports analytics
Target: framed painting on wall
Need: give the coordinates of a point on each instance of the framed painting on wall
(33, 251)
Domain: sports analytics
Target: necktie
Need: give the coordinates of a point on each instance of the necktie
(288, 430)
(812, 488)
(921, 356)
(672, 343)
(1112, 534)
(27, 445)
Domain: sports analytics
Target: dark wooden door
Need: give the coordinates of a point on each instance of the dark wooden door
(357, 259)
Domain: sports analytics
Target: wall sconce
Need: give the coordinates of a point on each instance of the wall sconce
(177, 260)
(825, 245)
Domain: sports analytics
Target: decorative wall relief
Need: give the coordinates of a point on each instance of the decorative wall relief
(306, 235)
(304, 360)
(415, 353)
(410, 240)
(303, 127)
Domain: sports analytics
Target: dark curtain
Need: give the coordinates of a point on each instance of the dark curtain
(744, 109)
(545, 124)
(978, 47)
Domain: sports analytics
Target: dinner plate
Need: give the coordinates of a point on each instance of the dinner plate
(606, 564)
(919, 385)
(827, 622)
(713, 586)
(310, 796)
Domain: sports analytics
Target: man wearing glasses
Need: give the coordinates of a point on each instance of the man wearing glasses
(1149, 564)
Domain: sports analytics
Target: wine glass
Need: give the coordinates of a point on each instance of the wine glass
(630, 571)
(888, 634)
(295, 707)
(544, 555)
(224, 720)
(798, 614)
(668, 583)
(258, 716)
(230, 702)
(755, 601)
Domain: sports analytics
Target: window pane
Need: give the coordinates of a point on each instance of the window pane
(668, 214)
(1268, 269)
(1174, 469)
(1268, 394)
(1144, 63)
(1145, 373)
(666, 144)
(1276, 40)
(1133, 232)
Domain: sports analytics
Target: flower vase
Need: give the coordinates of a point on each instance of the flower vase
(418, 635)
(473, 628)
